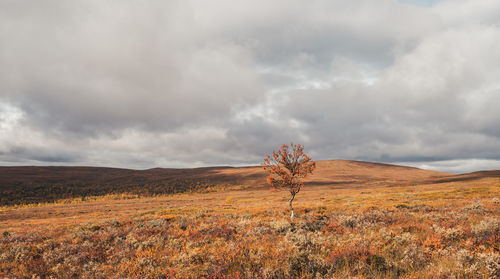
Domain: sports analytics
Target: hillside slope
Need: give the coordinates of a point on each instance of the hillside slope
(342, 215)
(41, 184)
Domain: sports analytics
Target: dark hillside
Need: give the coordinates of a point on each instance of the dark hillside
(19, 185)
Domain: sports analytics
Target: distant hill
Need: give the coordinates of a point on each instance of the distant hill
(32, 184)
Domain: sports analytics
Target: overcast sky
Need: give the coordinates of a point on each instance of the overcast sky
(143, 84)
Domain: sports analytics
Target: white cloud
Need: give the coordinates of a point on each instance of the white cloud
(460, 13)
(456, 166)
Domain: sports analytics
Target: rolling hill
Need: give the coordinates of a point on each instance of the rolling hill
(353, 219)
(32, 184)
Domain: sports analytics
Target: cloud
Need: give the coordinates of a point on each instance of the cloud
(462, 13)
(109, 66)
(457, 166)
(433, 102)
(193, 83)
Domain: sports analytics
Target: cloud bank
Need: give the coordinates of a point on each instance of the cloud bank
(197, 83)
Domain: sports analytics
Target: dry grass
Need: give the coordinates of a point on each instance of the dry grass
(33, 185)
(421, 229)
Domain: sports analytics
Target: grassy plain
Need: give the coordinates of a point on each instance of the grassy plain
(354, 220)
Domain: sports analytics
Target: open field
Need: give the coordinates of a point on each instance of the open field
(28, 185)
(353, 219)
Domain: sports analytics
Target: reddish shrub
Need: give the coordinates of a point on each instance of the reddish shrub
(333, 227)
(348, 256)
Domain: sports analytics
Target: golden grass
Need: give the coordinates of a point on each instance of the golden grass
(416, 230)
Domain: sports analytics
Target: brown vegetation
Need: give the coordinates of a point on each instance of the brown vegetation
(28, 185)
(373, 221)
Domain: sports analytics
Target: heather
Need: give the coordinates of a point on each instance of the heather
(444, 231)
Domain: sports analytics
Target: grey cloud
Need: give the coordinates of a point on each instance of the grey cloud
(37, 155)
(103, 66)
(193, 83)
(435, 103)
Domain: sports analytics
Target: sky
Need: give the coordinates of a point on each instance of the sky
(143, 84)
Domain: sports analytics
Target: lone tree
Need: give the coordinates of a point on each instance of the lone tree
(287, 168)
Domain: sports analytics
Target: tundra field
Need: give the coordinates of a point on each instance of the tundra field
(352, 220)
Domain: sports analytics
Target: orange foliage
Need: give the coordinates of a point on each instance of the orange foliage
(433, 230)
(433, 242)
(288, 167)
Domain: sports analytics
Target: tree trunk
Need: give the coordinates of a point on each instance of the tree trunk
(291, 207)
